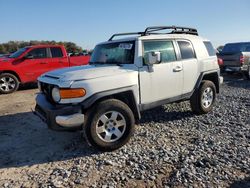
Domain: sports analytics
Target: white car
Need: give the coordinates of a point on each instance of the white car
(127, 76)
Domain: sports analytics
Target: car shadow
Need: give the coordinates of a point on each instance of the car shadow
(28, 86)
(26, 141)
(236, 80)
(245, 183)
(163, 114)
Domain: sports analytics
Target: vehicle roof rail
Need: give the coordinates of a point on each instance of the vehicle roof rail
(123, 34)
(174, 30)
(153, 30)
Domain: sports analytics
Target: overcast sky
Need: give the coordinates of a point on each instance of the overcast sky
(89, 22)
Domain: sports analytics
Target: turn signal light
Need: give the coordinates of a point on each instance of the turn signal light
(72, 93)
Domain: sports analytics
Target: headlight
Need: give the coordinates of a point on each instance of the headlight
(56, 94)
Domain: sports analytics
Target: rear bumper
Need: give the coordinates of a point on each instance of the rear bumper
(235, 68)
(221, 79)
(59, 117)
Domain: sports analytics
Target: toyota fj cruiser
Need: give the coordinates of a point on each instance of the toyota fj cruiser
(127, 76)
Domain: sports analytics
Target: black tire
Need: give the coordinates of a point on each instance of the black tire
(13, 85)
(247, 74)
(92, 120)
(196, 99)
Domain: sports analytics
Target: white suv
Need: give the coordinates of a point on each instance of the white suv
(127, 76)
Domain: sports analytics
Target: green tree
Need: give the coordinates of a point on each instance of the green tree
(12, 46)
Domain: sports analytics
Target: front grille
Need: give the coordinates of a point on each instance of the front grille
(46, 89)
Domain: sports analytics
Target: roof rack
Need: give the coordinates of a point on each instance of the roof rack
(153, 30)
(122, 34)
(175, 30)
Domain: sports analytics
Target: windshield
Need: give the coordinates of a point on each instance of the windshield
(114, 53)
(236, 47)
(18, 53)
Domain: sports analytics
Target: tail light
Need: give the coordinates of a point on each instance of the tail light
(242, 59)
(220, 61)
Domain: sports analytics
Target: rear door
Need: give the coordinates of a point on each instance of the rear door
(58, 59)
(189, 64)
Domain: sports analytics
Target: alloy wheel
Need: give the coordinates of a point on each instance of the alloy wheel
(7, 84)
(111, 126)
(207, 97)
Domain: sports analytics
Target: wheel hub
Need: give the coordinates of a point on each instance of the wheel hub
(111, 126)
(7, 83)
(207, 97)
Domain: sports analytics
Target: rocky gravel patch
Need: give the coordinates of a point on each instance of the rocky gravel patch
(171, 148)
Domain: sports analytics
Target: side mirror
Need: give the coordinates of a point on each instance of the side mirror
(153, 58)
(29, 56)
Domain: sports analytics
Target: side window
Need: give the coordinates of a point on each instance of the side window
(187, 51)
(210, 48)
(56, 52)
(38, 53)
(166, 48)
(247, 47)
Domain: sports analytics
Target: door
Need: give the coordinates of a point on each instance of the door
(36, 62)
(164, 80)
(189, 64)
(57, 60)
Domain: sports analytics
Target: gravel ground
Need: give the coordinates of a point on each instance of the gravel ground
(171, 147)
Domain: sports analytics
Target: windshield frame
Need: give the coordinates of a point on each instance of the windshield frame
(94, 61)
(19, 52)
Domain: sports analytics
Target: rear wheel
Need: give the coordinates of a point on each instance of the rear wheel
(109, 125)
(247, 73)
(8, 83)
(203, 98)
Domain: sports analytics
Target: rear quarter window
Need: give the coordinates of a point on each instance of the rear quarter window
(186, 49)
(210, 48)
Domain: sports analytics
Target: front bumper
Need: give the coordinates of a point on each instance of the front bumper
(59, 117)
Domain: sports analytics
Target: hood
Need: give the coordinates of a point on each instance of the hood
(5, 59)
(86, 72)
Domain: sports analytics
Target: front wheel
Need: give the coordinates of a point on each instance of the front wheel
(203, 98)
(109, 125)
(8, 83)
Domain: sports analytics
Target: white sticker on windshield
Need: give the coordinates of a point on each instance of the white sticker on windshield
(126, 46)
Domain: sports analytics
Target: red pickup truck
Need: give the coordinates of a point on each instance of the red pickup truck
(27, 64)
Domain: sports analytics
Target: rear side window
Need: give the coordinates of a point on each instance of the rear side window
(56, 52)
(166, 48)
(187, 51)
(38, 53)
(210, 48)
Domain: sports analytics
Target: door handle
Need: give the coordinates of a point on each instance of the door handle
(43, 63)
(177, 69)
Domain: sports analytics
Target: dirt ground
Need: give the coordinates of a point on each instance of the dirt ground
(26, 142)
(30, 153)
